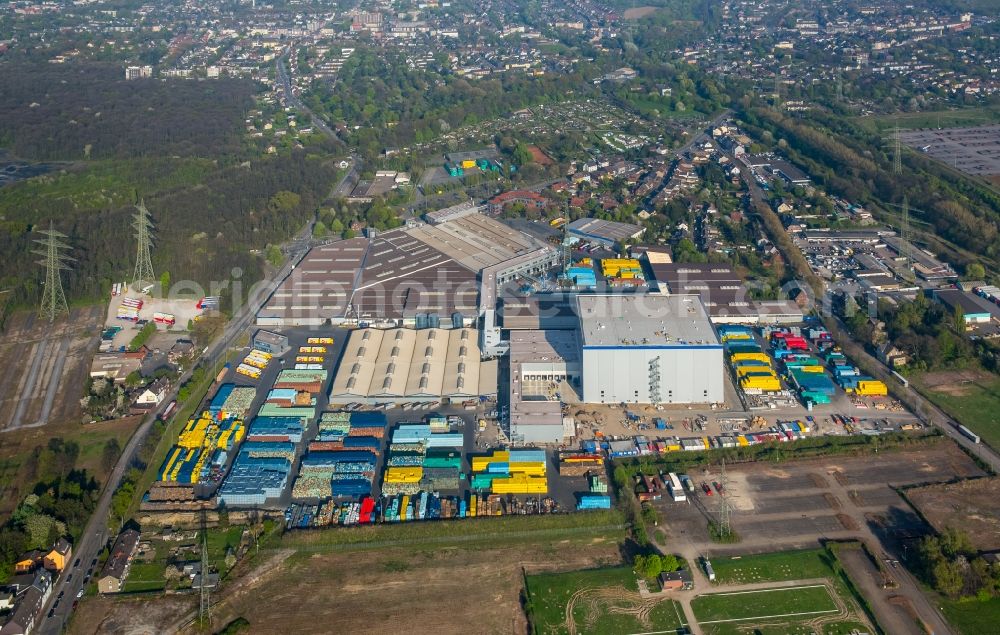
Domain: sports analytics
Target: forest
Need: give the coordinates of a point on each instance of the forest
(202, 230)
(81, 111)
(216, 201)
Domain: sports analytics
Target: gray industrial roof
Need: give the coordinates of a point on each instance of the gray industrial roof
(604, 229)
(399, 273)
(644, 321)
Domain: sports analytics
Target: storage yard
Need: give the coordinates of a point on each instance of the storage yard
(130, 309)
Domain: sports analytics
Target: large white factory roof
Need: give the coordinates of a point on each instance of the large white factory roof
(644, 321)
(398, 363)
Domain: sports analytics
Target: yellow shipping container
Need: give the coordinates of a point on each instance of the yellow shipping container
(743, 357)
(673, 447)
(613, 267)
(521, 484)
(766, 384)
(468, 163)
(736, 336)
(742, 440)
(743, 371)
(480, 463)
(872, 388)
(404, 474)
(708, 446)
(811, 369)
(533, 469)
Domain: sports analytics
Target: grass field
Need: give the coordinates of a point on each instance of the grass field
(973, 618)
(782, 566)
(971, 397)
(933, 119)
(762, 605)
(145, 576)
(600, 601)
(772, 567)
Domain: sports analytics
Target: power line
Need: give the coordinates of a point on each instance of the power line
(54, 260)
(143, 235)
(205, 605)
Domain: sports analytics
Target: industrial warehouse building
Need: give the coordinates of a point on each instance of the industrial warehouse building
(405, 365)
(649, 349)
(539, 359)
(603, 232)
(420, 276)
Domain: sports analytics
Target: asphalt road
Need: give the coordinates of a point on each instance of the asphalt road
(96, 534)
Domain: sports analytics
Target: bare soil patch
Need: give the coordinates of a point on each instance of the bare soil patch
(638, 12)
(953, 382)
(972, 506)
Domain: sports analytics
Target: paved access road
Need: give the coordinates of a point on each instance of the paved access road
(96, 534)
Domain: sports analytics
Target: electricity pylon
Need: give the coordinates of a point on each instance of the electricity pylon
(54, 261)
(143, 236)
(725, 526)
(904, 222)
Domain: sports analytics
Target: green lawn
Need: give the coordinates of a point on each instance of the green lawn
(973, 618)
(764, 604)
(772, 567)
(145, 576)
(549, 594)
(976, 407)
(778, 567)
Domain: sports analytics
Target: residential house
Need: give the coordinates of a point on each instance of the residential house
(60, 555)
(151, 397)
(29, 561)
(891, 356)
(115, 570)
(29, 607)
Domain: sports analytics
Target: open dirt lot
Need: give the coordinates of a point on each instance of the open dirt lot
(638, 12)
(45, 367)
(972, 506)
(441, 591)
(894, 612)
(794, 503)
(115, 616)
(956, 383)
